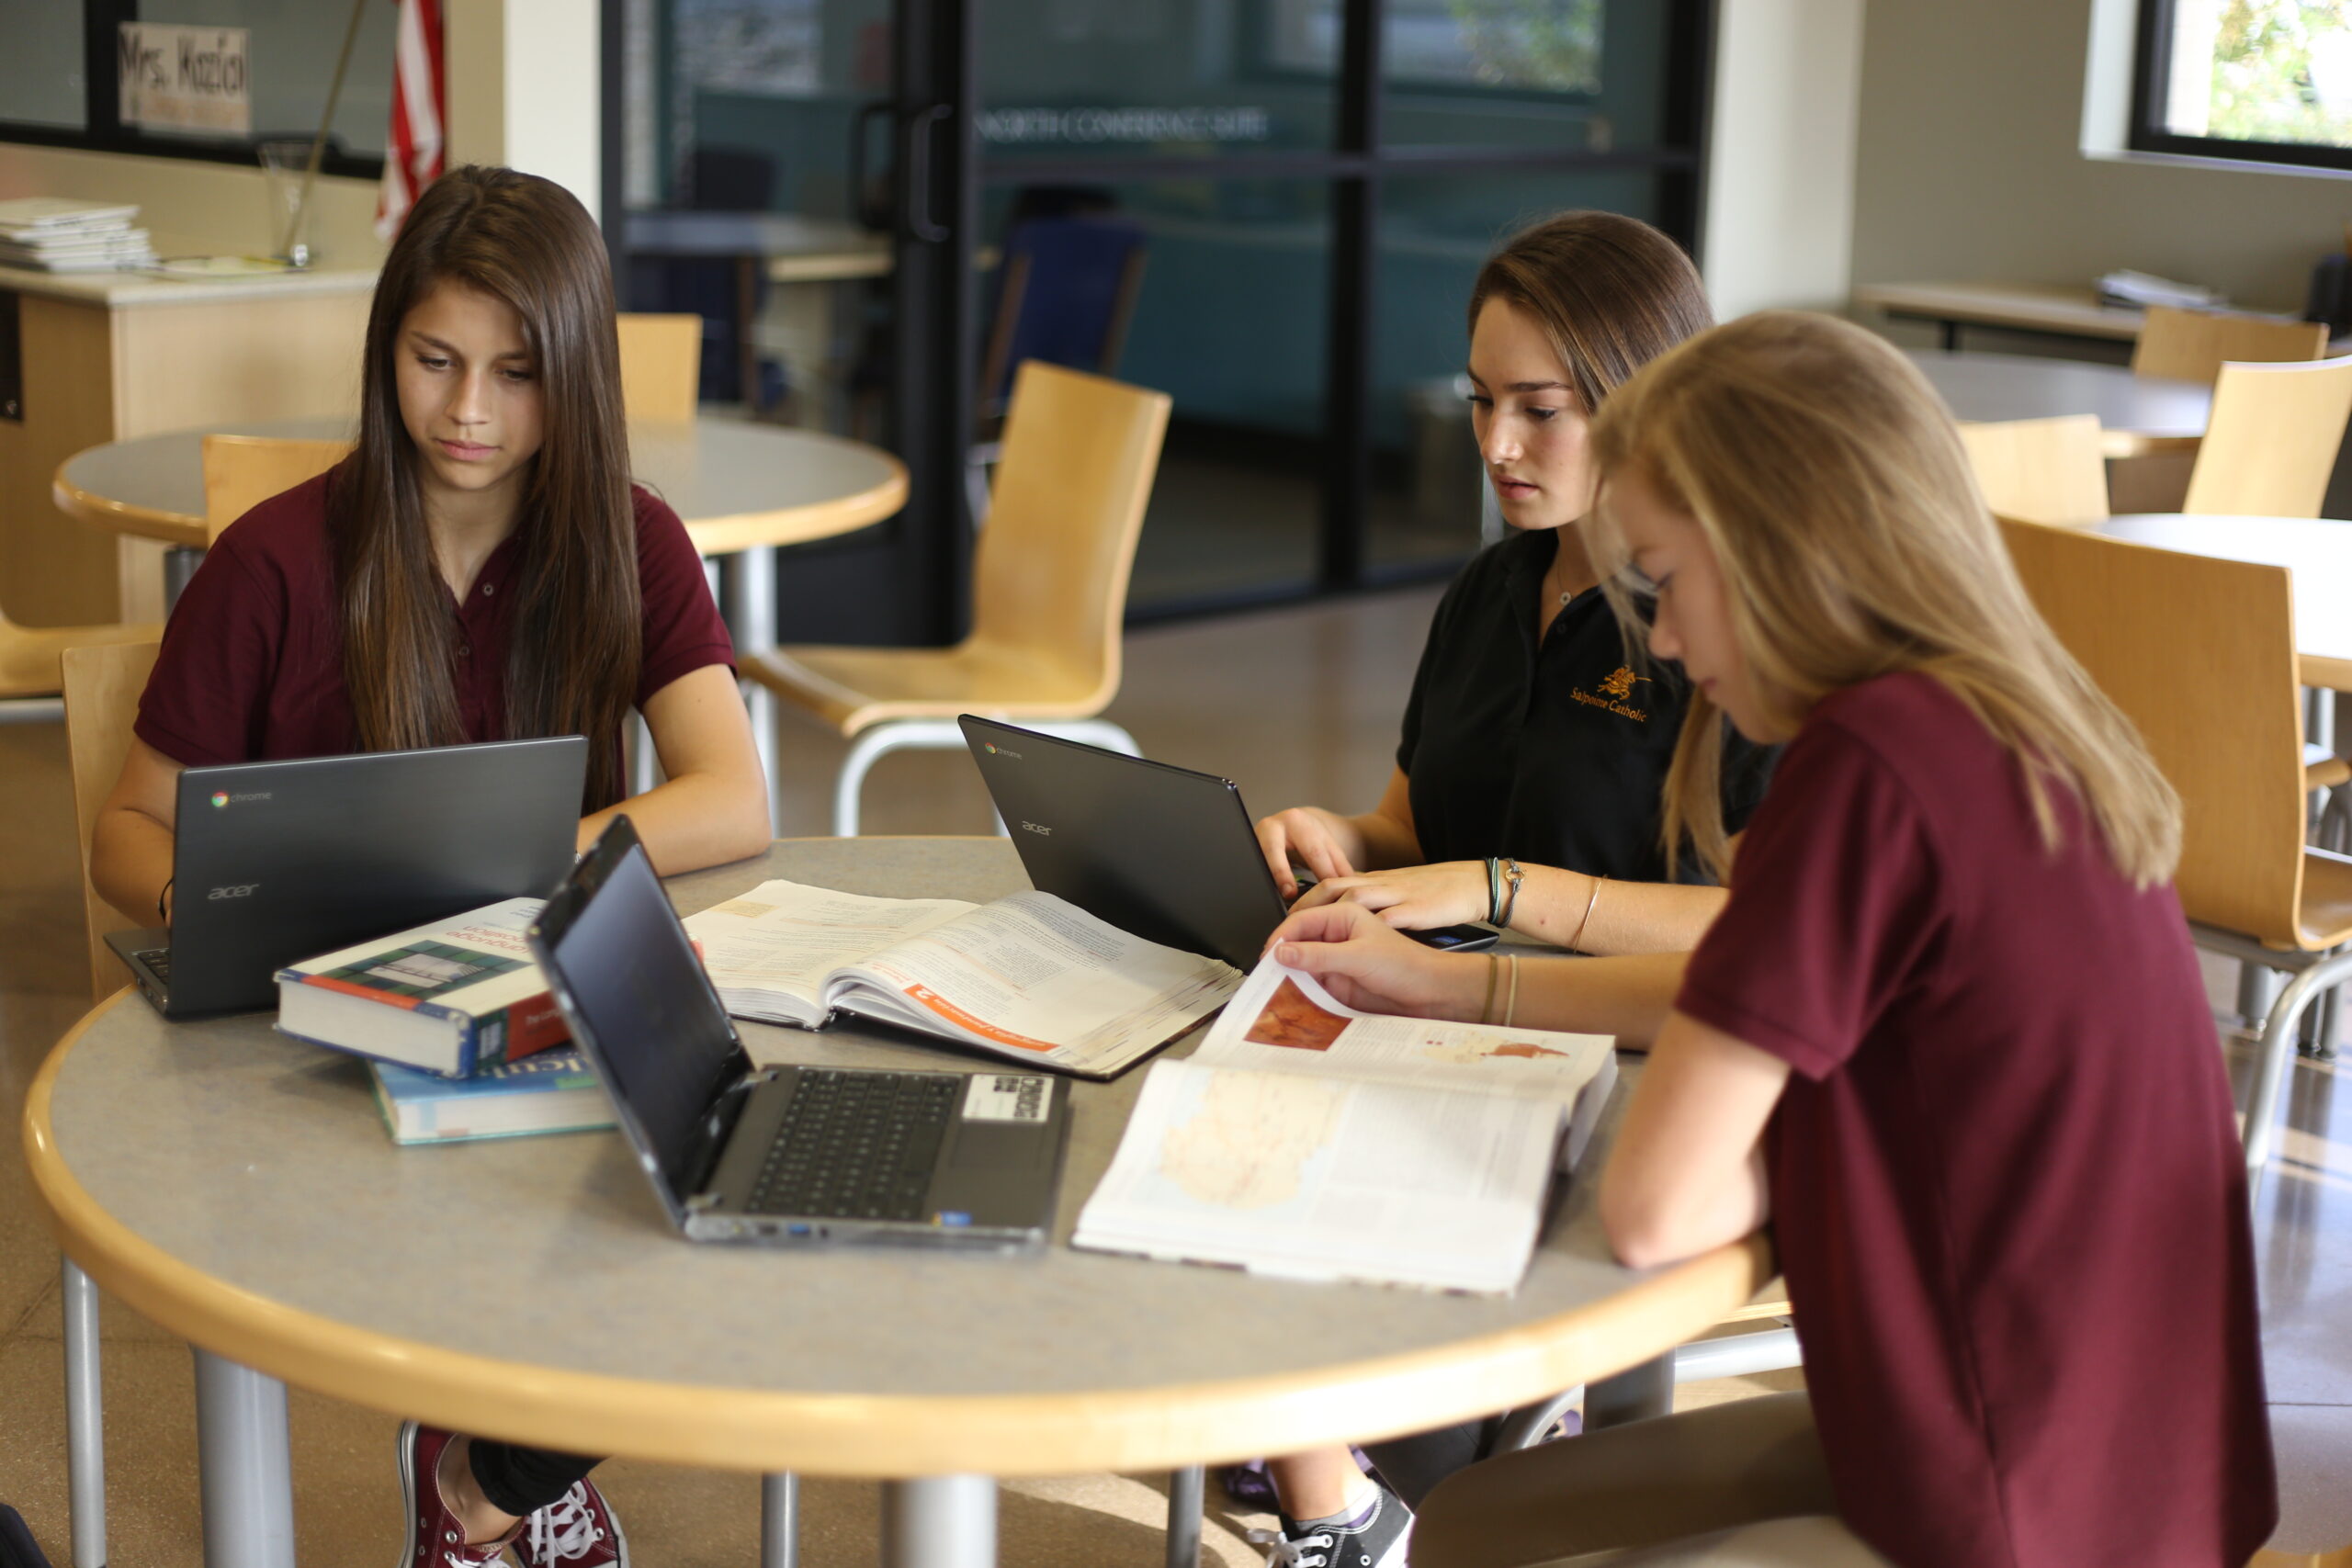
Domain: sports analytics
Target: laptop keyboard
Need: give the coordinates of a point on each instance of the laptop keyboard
(857, 1145)
(159, 963)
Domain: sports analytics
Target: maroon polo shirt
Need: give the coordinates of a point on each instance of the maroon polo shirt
(2007, 1186)
(252, 664)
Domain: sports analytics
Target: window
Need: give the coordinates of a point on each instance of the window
(1541, 46)
(62, 77)
(2268, 81)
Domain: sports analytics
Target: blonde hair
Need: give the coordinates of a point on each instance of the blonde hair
(1610, 292)
(1853, 542)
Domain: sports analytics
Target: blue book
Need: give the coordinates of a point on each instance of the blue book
(552, 1091)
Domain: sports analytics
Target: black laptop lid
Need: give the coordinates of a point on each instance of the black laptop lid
(641, 1008)
(1162, 852)
(274, 863)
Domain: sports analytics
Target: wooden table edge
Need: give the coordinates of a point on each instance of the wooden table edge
(876, 1436)
(711, 535)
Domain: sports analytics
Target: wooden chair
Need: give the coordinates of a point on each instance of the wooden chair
(243, 471)
(1049, 591)
(2270, 445)
(102, 687)
(2200, 654)
(2043, 470)
(661, 366)
(2192, 345)
(31, 679)
(2340, 1558)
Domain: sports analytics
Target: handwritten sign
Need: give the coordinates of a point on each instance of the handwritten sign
(174, 78)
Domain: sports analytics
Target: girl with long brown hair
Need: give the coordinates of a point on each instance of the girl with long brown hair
(1947, 1036)
(479, 568)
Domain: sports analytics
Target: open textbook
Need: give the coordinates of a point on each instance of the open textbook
(1027, 976)
(1306, 1139)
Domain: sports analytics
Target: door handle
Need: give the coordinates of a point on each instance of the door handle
(919, 135)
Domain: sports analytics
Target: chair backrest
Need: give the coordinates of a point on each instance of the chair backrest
(2192, 345)
(1069, 292)
(2044, 470)
(1050, 571)
(2271, 443)
(661, 365)
(102, 687)
(243, 471)
(2200, 654)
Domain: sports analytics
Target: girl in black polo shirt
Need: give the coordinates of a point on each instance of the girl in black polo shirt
(1531, 736)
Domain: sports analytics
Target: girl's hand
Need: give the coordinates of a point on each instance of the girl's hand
(1411, 898)
(1364, 963)
(1322, 842)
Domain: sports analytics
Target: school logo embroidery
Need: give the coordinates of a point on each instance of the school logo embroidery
(1614, 692)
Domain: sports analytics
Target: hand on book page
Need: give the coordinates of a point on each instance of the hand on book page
(1284, 1020)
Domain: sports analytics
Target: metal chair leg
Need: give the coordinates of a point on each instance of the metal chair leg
(86, 1448)
(873, 744)
(2278, 1054)
(1187, 1492)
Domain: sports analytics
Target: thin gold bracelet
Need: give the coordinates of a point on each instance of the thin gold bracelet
(1588, 903)
(1510, 1003)
(1488, 1005)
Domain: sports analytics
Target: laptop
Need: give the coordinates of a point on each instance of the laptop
(1162, 852)
(783, 1156)
(274, 863)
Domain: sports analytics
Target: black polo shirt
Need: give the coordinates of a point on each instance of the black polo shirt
(1558, 754)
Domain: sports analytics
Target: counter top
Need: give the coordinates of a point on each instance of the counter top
(139, 288)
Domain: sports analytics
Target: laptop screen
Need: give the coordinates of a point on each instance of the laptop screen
(653, 1025)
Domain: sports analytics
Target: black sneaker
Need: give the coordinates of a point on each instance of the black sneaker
(1377, 1541)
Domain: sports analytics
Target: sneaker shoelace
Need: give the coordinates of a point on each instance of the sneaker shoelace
(1284, 1552)
(564, 1529)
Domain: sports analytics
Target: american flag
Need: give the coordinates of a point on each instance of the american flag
(413, 152)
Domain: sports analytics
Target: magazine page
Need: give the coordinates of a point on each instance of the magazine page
(1319, 1177)
(769, 950)
(1282, 1020)
(1032, 976)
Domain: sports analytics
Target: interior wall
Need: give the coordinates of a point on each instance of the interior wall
(1971, 168)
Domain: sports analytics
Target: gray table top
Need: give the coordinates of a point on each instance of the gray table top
(2316, 552)
(1992, 387)
(237, 1187)
(711, 471)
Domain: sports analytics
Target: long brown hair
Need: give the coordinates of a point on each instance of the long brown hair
(1609, 291)
(1831, 486)
(574, 656)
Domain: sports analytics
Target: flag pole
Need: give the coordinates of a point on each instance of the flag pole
(319, 142)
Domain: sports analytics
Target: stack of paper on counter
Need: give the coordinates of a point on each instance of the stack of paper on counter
(1306, 1139)
(1028, 976)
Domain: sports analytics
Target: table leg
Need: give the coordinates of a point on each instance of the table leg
(86, 1447)
(749, 606)
(246, 1466)
(940, 1521)
(780, 1520)
(179, 564)
(1637, 1393)
(1187, 1491)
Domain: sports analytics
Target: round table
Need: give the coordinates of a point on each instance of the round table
(2316, 552)
(2140, 413)
(737, 485)
(531, 1289)
(743, 488)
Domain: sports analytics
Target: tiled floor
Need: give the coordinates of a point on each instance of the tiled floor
(1296, 706)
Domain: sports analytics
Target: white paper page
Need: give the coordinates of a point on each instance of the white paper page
(1282, 1020)
(1033, 974)
(785, 936)
(1319, 1177)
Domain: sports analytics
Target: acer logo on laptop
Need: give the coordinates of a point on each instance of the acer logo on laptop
(235, 890)
(1038, 828)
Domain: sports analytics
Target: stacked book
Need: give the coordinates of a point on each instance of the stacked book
(55, 233)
